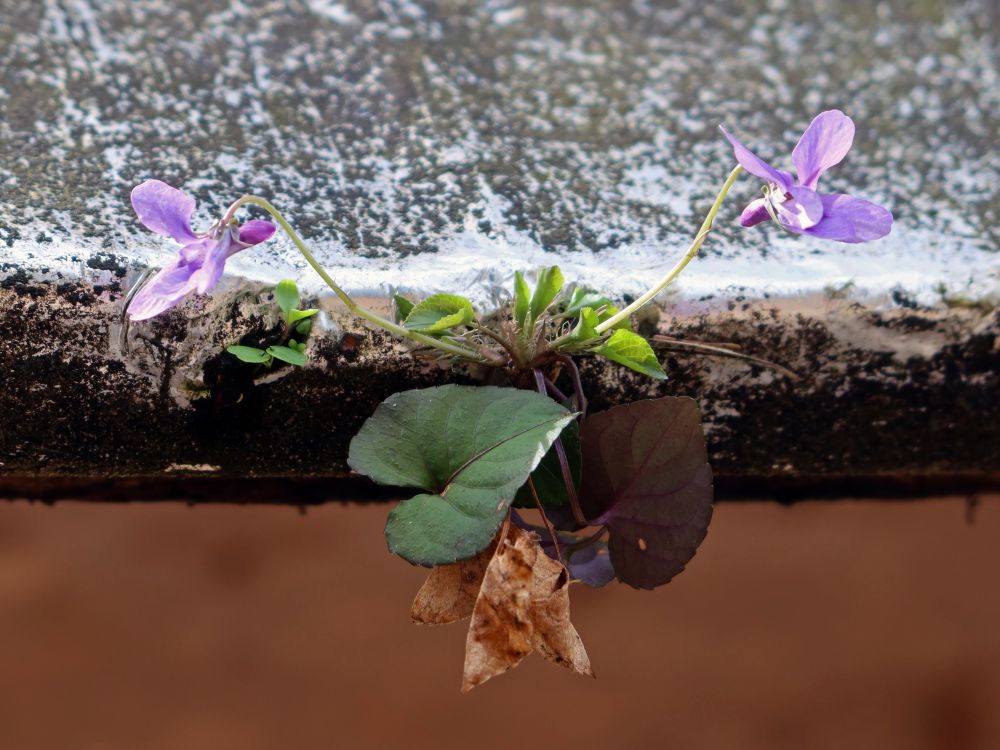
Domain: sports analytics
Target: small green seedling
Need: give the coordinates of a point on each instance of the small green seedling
(298, 326)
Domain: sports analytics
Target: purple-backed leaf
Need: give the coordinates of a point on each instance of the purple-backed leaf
(646, 477)
(562, 518)
(591, 564)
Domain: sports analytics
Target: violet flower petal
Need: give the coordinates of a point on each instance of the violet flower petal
(197, 268)
(164, 209)
(801, 210)
(823, 144)
(849, 219)
(592, 565)
(755, 165)
(755, 212)
(212, 262)
(255, 231)
(163, 291)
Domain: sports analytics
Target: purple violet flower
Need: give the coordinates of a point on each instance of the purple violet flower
(797, 206)
(199, 264)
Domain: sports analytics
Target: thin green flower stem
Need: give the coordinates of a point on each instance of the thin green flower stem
(353, 306)
(706, 227)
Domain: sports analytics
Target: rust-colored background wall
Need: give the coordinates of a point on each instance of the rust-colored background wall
(843, 625)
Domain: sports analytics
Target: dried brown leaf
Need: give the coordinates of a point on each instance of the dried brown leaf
(555, 637)
(523, 604)
(450, 591)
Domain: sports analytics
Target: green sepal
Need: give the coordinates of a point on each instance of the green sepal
(303, 327)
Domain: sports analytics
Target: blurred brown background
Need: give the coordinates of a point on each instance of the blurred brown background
(842, 625)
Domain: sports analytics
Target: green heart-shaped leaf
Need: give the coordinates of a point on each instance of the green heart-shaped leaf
(287, 354)
(403, 307)
(584, 330)
(439, 312)
(633, 351)
(469, 447)
(286, 294)
(294, 316)
(248, 354)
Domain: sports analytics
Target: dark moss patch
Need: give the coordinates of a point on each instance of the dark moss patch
(108, 262)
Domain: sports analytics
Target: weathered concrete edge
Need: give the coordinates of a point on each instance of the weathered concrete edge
(304, 492)
(892, 400)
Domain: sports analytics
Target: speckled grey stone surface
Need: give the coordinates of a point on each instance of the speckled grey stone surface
(439, 147)
(442, 145)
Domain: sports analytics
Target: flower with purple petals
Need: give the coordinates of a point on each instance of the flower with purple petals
(796, 205)
(199, 264)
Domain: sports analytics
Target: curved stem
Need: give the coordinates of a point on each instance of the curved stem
(578, 394)
(545, 518)
(353, 306)
(560, 449)
(706, 227)
(585, 542)
(554, 391)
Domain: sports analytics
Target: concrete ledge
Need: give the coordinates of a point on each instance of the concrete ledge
(892, 402)
(431, 148)
(304, 492)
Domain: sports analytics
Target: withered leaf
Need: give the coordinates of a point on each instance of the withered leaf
(523, 605)
(450, 591)
(554, 636)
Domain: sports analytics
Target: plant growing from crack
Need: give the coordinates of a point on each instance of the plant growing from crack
(297, 326)
(625, 493)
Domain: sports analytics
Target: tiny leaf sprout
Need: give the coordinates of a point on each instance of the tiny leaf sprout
(291, 346)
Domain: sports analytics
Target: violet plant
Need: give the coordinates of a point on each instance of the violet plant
(625, 493)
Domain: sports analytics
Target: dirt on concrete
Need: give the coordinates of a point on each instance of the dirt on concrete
(900, 393)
